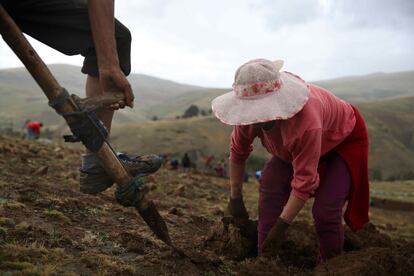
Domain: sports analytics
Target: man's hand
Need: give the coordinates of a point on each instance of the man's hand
(236, 208)
(113, 80)
(275, 238)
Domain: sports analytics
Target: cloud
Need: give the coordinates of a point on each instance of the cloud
(374, 13)
(343, 14)
(280, 13)
(203, 42)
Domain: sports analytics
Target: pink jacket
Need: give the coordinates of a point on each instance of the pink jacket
(323, 123)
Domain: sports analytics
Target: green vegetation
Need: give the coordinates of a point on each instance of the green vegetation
(57, 215)
(11, 204)
(391, 138)
(396, 190)
(389, 124)
(192, 111)
(379, 96)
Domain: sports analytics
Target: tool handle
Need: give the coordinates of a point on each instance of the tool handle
(13, 36)
(101, 101)
(37, 68)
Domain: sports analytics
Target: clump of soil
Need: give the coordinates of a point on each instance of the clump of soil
(237, 239)
(369, 236)
(300, 248)
(368, 251)
(370, 261)
(263, 266)
(234, 238)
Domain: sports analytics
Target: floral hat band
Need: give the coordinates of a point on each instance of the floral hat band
(257, 89)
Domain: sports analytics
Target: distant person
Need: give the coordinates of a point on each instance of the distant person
(319, 145)
(258, 174)
(87, 28)
(33, 130)
(27, 132)
(174, 164)
(185, 162)
(208, 162)
(223, 164)
(219, 169)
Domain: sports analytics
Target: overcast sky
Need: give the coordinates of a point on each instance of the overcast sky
(203, 42)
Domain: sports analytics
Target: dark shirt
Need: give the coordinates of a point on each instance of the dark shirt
(185, 161)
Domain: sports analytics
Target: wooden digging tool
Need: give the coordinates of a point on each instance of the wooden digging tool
(131, 191)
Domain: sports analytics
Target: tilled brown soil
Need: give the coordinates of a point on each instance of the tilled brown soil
(47, 227)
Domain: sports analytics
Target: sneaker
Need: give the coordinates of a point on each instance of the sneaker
(96, 181)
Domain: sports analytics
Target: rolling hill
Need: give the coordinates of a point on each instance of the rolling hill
(386, 100)
(21, 98)
(354, 89)
(390, 125)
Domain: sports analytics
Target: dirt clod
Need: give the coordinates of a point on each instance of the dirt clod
(368, 261)
(369, 236)
(234, 238)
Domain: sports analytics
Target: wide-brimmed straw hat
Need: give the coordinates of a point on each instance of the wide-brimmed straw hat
(261, 93)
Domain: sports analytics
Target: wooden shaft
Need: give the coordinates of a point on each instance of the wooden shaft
(112, 165)
(13, 36)
(21, 47)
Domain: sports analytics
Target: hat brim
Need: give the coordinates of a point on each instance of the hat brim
(280, 105)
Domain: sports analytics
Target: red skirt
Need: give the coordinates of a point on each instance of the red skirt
(354, 150)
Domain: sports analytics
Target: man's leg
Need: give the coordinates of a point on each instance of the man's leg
(330, 198)
(64, 25)
(93, 88)
(274, 192)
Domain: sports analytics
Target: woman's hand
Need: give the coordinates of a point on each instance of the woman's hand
(277, 233)
(275, 238)
(236, 208)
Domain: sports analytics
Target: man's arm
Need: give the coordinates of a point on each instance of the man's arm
(112, 79)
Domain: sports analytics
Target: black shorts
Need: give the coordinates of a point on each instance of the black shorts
(64, 26)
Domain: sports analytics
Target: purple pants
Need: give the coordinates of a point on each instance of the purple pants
(330, 198)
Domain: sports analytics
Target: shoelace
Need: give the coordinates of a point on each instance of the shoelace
(129, 161)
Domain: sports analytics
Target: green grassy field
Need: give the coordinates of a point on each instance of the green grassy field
(389, 120)
(395, 190)
(389, 124)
